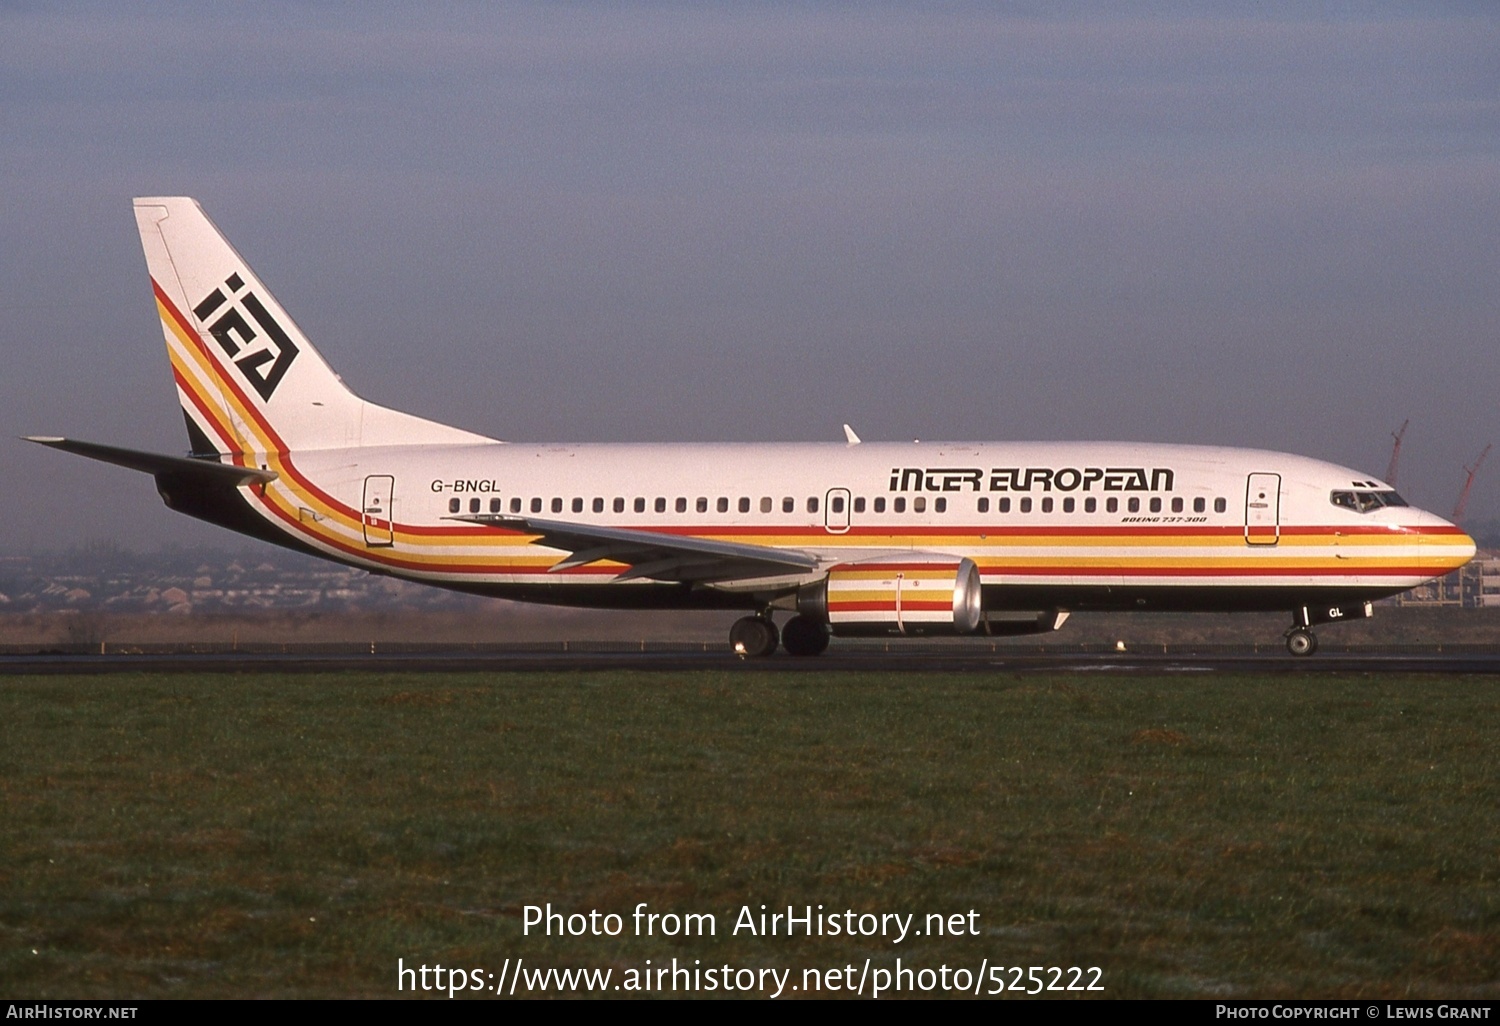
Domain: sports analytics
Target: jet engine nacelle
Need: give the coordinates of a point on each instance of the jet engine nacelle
(916, 594)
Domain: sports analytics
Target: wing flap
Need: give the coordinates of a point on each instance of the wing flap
(650, 554)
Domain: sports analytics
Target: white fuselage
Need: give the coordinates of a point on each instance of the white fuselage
(1070, 523)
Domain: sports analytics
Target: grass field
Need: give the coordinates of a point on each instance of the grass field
(1196, 836)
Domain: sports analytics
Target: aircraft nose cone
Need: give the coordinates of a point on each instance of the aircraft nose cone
(1443, 546)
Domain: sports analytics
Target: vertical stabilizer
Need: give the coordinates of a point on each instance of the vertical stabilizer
(249, 381)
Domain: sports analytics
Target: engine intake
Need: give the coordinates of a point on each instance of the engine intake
(919, 594)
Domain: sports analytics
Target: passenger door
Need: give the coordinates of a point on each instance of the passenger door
(377, 515)
(1263, 509)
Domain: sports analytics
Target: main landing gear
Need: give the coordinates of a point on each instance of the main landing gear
(804, 637)
(755, 637)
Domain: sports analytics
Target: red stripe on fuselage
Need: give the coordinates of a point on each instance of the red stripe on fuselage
(1217, 571)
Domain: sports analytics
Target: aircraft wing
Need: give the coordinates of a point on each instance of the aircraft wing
(661, 557)
(154, 463)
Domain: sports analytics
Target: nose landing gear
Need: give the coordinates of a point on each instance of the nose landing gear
(1301, 642)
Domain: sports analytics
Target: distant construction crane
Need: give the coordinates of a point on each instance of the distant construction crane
(1463, 496)
(1390, 471)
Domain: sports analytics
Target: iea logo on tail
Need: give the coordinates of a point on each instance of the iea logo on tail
(263, 355)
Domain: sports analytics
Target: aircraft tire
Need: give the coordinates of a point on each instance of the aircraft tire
(804, 637)
(1302, 642)
(753, 637)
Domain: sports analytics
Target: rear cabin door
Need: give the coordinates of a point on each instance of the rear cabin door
(836, 511)
(379, 530)
(1263, 509)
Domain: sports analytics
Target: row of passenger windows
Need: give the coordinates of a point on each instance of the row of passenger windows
(700, 505)
(1111, 505)
(898, 504)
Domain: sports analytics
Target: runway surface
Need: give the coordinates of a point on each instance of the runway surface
(835, 661)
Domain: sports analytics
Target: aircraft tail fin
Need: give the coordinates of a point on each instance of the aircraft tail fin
(248, 379)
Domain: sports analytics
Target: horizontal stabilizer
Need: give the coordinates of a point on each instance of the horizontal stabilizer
(155, 463)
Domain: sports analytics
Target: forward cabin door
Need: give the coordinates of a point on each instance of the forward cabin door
(1263, 509)
(379, 529)
(836, 511)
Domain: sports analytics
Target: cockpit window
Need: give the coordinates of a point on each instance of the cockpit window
(1365, 502)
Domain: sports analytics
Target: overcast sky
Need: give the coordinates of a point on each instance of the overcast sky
(1162, 222)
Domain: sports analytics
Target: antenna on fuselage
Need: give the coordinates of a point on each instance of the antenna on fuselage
(1390, 471)
(1463, 496)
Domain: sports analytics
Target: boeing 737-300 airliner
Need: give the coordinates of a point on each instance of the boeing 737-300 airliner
(849, 538)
